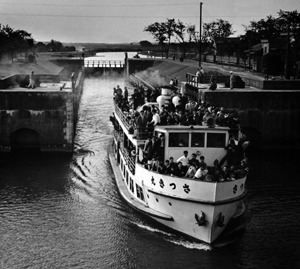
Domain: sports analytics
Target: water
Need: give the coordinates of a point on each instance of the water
(65, 212)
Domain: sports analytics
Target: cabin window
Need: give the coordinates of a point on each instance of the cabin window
(139, 192)
(216, 140)
(131, 186)
(198, 140)
(178, 139)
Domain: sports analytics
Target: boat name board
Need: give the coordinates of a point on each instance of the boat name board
(184, 188)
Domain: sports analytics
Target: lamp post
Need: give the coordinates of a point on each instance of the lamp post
(200, 33)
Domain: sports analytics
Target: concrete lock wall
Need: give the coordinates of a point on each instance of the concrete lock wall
(274, 114)
(50, 114)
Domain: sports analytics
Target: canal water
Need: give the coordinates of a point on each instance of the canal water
(65, 211)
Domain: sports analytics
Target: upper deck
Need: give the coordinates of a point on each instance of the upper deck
(209, 141)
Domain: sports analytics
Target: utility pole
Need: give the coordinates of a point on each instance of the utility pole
(287, 55)
(200, 34)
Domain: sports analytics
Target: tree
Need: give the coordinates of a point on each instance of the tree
(145, 43)
(54, 46)
(186, 35)
(158, 31)
(218, 28)
(164, 31)
(13, 41)
(287, 24)
(170, 28)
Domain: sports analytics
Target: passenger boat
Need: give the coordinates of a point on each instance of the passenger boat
(199, 209)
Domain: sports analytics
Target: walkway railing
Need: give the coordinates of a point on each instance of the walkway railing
(103, 63)
(192, 80)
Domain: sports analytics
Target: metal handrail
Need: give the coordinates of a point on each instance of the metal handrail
(106, 63)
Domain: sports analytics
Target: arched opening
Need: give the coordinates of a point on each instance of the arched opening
(25, 140)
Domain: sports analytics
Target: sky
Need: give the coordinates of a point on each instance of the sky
(124, 21)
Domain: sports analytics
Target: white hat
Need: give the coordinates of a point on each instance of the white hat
(230, 72)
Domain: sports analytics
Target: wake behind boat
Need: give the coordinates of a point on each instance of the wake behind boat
(198, 195)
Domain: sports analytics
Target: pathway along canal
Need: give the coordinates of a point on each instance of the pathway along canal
(65, 212)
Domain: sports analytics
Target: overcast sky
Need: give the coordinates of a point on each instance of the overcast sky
(123, 21)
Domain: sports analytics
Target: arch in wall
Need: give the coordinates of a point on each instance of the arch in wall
(25, 139)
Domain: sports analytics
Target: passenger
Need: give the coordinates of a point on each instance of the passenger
(217, 176)
(206, 117)
(119, 90)
(180, 171)
(174, 117)
(185, 119)
(232, 173)
(194, 118)
(190, 105)
(155, 119)
(172, 163)
(220, 118)
(155, 165)
(148, 149)
(184, 160)
(231, 154)
(202, 162)
(125, 94)
(168, 167)
(138, 124)
(163, 115)
(161, 168)
(160, 146)
(194, 160)
(191, 171)
(201, 173)
(173, 171)
(157, 147)
(170, 120)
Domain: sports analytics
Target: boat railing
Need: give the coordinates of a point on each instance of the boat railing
(138, 132)
(122, 117)
(130, 160)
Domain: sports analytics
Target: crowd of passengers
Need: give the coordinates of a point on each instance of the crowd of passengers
(186, 112)
(236, 166)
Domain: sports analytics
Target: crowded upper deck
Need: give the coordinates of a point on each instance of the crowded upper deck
(142, 111)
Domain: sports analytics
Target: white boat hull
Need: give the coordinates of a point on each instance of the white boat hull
(182, 210)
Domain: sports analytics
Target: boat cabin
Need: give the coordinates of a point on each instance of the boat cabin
(202, 140)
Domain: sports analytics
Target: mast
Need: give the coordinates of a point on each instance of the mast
(200, 34)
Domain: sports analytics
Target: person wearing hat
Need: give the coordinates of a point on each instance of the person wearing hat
(231, 79)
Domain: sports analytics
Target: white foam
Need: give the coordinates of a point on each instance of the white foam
(176, 239)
